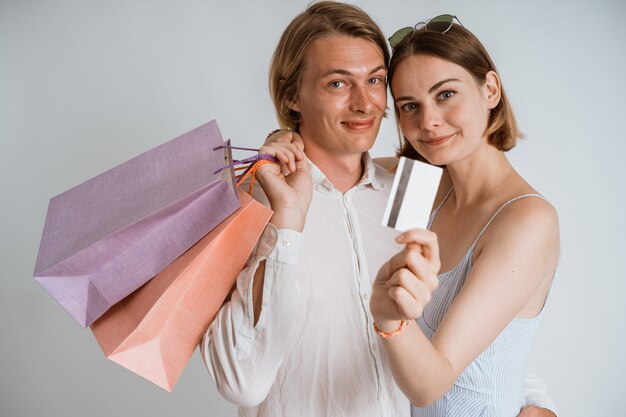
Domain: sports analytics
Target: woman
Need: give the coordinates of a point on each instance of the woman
(493, 236)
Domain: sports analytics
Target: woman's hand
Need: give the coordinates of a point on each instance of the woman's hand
(405, 283)
(288, 184)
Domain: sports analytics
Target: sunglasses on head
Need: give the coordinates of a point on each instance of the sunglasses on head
(439, 24)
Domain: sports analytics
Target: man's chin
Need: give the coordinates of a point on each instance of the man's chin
(358, 150)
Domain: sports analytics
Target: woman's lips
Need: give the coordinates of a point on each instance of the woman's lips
(438, 140)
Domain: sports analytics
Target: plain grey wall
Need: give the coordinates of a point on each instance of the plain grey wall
(86, 85)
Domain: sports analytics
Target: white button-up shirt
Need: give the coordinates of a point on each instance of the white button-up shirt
(313, 351)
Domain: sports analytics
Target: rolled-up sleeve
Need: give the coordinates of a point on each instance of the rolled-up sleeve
(243, 359)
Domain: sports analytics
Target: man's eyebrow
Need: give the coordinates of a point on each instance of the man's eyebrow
(348, 73)
(378, 68)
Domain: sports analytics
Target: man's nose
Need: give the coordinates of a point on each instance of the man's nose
(360, 100)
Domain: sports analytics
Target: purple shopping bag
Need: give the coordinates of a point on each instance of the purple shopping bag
(108, 236)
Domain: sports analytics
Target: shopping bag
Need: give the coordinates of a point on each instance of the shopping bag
(154, 331)
(106, 237)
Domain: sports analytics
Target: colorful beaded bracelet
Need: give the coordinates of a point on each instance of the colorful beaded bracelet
(389, 335)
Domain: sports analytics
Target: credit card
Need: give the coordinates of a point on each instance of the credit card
(412, 195)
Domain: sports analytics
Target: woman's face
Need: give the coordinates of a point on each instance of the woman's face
(443, 110)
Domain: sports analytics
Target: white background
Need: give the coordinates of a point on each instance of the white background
(86, 85)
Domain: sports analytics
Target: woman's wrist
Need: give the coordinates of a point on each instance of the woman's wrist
(385, 323)
(390, 328)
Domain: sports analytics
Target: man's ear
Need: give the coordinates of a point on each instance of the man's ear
(293, 104)
(291, 101)
(492, 89)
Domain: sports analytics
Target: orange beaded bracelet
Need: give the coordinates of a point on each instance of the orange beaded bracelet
(389, 335)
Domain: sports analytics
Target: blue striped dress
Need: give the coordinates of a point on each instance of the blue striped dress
(493, 384)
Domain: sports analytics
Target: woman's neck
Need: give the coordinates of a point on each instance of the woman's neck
(479, 177)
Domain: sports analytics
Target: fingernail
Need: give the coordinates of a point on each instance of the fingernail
(400, 238)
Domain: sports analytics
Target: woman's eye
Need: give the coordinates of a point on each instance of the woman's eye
(408, 107)
(444, 95)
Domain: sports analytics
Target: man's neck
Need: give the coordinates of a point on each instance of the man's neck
(343, 171)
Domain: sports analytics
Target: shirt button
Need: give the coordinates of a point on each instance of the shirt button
(286, 242)
(374, 347)
(383, 399)
(365, 295)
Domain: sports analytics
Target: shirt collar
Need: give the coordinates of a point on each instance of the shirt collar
(369, 175)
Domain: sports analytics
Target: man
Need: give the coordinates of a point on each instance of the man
(296, 338)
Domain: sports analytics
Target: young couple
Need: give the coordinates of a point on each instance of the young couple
(336, 315)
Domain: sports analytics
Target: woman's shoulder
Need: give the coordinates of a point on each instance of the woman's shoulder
(530, 206)
(526, 214)
(527, 202)
(521, 202)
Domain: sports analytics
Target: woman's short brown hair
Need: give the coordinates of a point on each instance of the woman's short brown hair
(322, 19)
(460, 46)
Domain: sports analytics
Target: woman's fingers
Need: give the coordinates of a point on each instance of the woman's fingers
(405, 284)
(417, 288)
(410, 294)
(422, 267)
(413, 259)
(406, 306)
(424, 238)
(420, 257)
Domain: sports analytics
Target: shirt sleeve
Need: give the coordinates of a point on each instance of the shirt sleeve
(535, 392)
(244, 359)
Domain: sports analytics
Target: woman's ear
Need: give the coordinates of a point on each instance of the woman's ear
(492, 89)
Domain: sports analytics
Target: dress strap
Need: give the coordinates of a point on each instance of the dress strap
(498, 211)
(434, 213)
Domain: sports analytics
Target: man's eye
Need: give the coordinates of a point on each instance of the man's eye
(375, 80)
(336, 84)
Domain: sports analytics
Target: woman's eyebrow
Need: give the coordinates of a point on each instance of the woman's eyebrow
(440, 83)
(430, 91)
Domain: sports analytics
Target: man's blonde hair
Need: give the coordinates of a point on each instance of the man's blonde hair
(319, 20)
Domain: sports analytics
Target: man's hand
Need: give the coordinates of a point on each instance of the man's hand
(288, 185)
(534, 411)
(286, 146)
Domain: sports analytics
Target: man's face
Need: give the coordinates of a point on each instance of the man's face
(342, 96)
